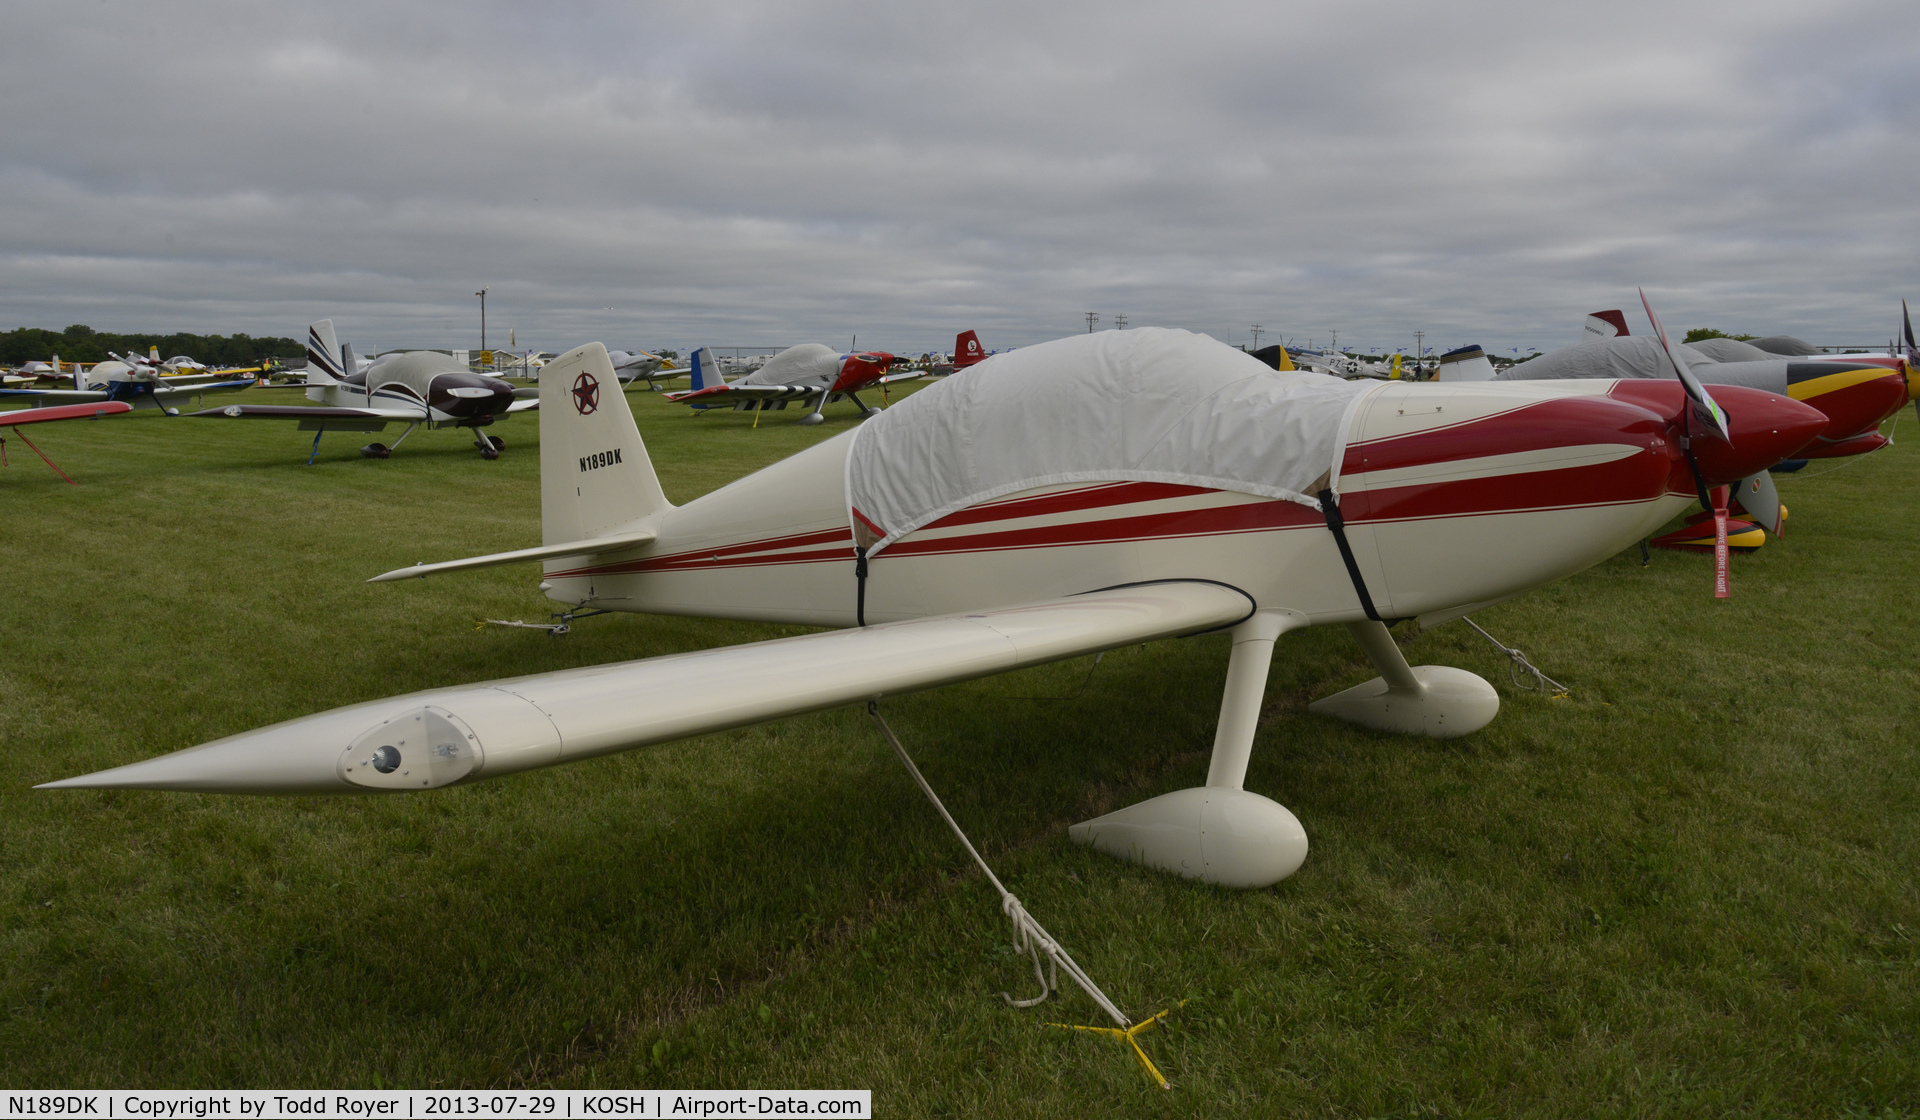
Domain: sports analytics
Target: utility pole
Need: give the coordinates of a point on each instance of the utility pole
(482, 293)
(1120, 324)
(1092, 318)
(1257, 328)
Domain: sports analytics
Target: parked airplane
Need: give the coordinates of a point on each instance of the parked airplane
(1071, 497)
(798, 373)
(19, 417)
(1342, 364)
(642, 366)
(1855, 396)
(420, 387)
(967, 351)
(134, 381)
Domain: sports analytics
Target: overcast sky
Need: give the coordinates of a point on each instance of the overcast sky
(743, 174)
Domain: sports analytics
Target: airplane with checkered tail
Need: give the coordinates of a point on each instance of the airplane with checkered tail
(1056, 501)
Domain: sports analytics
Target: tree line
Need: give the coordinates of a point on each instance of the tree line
(81, 343)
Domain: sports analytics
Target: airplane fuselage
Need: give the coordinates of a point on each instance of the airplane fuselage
(1448, 501)
(442, 391)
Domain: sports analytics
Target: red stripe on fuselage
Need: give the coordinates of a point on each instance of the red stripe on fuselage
(1567, 422)
(1244, 517)
(1638, 478)
(1068, 501)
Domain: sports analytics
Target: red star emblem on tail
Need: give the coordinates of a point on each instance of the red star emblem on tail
(586, 394)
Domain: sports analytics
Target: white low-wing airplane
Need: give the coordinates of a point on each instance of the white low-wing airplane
(138, 382)
(419, 387)
(809, 371)
(1058, 500)
(639, 365)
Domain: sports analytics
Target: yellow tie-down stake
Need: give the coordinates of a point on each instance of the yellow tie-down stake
(1131, 1036)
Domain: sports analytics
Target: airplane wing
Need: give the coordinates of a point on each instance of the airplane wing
(742, 392)
(160, 391)
(435, 738)
(18, 416)
(176, 389)
(593, 546)
(316, 412)
(76, 396)
(523, 406)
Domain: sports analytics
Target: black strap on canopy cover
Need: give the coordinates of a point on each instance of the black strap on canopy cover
(1330, 508)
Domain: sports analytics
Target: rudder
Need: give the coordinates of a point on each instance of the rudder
(595, 476)
(967, 350)
(323, 354)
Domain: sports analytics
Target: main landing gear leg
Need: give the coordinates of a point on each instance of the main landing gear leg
(1437, 701)
(1219, 832)
(819, 408)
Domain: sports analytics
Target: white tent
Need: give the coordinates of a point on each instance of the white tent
(1145, 405)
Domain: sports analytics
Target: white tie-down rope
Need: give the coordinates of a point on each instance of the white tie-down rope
(1029, 936)
(1518, 663)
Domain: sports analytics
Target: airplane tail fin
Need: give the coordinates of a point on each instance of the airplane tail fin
(595, 476)
(1468, 363)
(967, 350)
(323, 354)
(1604, 324)
(153, 354)
(704, 370)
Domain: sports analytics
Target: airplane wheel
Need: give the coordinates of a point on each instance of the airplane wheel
(489, 452)
(813, 418)
(171, 411)
(376, 451)
(498, 443)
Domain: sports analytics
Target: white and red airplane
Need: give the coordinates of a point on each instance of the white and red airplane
(419, 387)
(1855, 392)
(1059, 500)
(967, 351)
(809, 371)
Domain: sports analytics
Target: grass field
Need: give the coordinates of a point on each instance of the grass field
(1687, 890)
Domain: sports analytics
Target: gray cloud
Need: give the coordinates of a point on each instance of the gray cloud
(773, 173)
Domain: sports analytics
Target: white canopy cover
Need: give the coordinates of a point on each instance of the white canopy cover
(807, 362)
(1146, 405)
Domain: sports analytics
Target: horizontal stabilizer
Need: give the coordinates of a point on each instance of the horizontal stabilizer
(591, 547)
(435, 738)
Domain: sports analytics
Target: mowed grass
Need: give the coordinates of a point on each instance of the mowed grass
(1689, 889)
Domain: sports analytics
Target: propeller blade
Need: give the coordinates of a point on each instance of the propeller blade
(1913, 358)
(1703, 413)
(1762, 502)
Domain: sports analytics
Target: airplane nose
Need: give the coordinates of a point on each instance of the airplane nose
(1855, 399)
(1766, 428)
